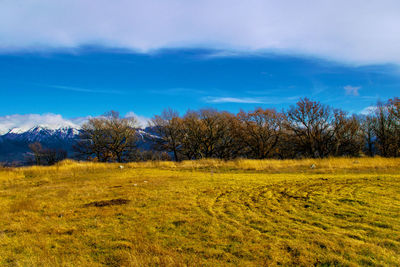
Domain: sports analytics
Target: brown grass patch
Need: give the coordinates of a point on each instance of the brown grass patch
(202, 213)
(104, 203)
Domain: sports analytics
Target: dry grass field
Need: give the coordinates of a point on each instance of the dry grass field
(327, 212)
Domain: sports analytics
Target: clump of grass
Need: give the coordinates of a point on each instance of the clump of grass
(25, 204)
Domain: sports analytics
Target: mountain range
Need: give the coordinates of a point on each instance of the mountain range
(14, 144)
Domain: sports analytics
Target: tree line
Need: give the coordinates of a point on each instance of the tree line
(308, 129)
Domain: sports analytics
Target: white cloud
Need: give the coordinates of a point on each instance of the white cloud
(352, 90)
(84, 90)
(252, 100)
(368, 110)
(80, 120)
(245, 100)
(142, 121)
(28, 121)
(356, 31)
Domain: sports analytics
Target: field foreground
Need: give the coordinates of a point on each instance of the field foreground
(213, 213)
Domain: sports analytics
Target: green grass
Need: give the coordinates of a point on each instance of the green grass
(344, 212)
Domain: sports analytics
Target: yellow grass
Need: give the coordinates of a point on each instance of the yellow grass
(208, 212)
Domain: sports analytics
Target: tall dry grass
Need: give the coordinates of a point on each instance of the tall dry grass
(274, 165)
(202, 213)
(330, 165)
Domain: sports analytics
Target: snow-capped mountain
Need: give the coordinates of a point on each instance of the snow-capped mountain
(14, 145)
(41, 133)
(19, 123)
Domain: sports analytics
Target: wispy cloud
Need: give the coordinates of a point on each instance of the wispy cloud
(290, 27)
(176, 91)
(251, 100)
(84, 90)
(368, 110)
(142, 120)
(230, 53)
(245, 100)
(352, 90)
(267, 92)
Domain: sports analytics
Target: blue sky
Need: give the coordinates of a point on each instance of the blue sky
(141, 57)
(92, 81)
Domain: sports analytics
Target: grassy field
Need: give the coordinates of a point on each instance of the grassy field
(211, 213)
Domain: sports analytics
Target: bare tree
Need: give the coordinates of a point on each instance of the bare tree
(367, 128)
(229, 144)
(386, 127)
(168, 127)
(260, 131)
(121, 135)
(36, 149)
(348, 135)
(383, 129)
(212, 129)
(394, 111)
(208, 133)
(311, 124)
(108, 138)
(46, 156)
(191, 137)
(394, 108)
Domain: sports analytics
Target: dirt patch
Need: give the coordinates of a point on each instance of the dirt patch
(178, 223)
(104, 203)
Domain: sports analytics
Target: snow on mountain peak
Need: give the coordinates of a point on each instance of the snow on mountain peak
(18, 124)
(16, 131)
(46, 128)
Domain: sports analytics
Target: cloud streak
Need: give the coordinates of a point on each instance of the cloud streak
(250, 100)
(84, 90)
(245, 100)
(352, 90)
(177, 91)
(358, 31)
